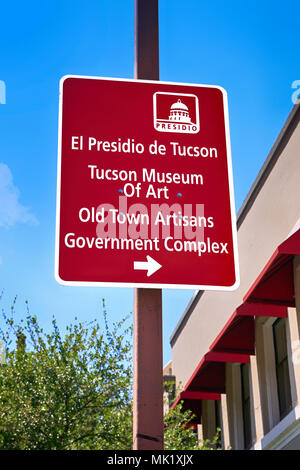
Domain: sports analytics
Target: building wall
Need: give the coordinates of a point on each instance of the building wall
(269, 216)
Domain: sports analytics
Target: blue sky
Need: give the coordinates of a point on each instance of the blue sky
(249, 48)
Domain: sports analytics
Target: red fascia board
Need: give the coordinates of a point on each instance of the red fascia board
(186, 395)
(258, 309)
(224, 356)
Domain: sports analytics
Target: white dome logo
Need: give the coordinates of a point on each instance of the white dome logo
(179, 112)
(183, 113)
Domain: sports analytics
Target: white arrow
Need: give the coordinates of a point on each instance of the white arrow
(150, 265)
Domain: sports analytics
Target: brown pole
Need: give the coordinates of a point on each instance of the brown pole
(148, 379)
(147, 363)
(146, 58)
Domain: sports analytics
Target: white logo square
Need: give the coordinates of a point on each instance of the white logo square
(176, 112)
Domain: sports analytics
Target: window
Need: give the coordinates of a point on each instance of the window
(246, 405)
(282, 367)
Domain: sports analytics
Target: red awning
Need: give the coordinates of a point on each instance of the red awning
(209, 376)
(238, 335)
(275, 284)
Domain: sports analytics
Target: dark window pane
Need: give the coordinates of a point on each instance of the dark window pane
(245, 380)
(280, 340)
(282, 367)
(246, 405)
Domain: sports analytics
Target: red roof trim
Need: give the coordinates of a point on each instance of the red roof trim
(200, 396)
(187, 395)
(261, 310)
(225, 356)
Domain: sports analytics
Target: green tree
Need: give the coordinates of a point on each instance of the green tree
(177, 435)
(70, 391)
(74, 390)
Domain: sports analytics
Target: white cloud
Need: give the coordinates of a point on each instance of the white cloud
(11, 210)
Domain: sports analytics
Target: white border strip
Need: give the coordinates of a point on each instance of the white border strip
(231, 194)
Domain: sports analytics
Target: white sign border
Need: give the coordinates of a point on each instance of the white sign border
(231, 195)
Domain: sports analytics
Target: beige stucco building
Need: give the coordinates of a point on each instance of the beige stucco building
(237, 354)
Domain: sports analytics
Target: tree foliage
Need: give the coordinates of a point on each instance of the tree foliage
(70, 391)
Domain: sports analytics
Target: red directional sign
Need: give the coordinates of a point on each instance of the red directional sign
(145, 191)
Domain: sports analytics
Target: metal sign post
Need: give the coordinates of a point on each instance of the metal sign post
(148, 379)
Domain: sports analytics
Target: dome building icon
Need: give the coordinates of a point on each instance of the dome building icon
(179, 112)
(176, 112)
